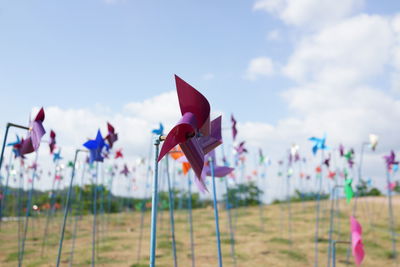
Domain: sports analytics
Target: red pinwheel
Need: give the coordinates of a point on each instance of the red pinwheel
(118, 154)
(35, 134)
(112, 136)
(192, 132)
(52, 142)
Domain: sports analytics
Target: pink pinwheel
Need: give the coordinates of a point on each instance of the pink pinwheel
(356, 241)
(392, 186)
(390, 160)
(112, 136)
(35, 134)
(52, 141)
(234, 130)
(192, 132)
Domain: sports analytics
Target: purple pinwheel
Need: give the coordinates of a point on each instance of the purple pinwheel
(192, 133)
(390, 160)
(125, 171)
(112, 136)
(327, 161)
(52, 142)
(96, 148)
(35, 134)
(234, 130)
(240, 149)
(341, 150)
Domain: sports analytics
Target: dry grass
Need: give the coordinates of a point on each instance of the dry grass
(255, 246)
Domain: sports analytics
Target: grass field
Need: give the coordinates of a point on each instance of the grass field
(270, 245)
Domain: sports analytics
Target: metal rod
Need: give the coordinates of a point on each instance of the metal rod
(154, 203)
(67, 205)
(216, 213)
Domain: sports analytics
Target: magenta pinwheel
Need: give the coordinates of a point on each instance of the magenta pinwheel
(193, 131)
(35, 134)
(52, 141)
(112, 136)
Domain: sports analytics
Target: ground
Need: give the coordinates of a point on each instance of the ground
(258, 243)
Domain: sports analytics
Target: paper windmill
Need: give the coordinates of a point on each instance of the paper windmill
(57, 156)
(373, 141)
(35, 134)
(16, 147)
(96, 148)
(350, 157)
(125, 171)
(234, 130)
(327, 161)
(261, 157)
(192, 132)
(319, 144)
(348, 190)
(159, 131)
(356, 241)
(118, 154)
(240, 149)
(52, 141)
(112, 137)
(390, 160)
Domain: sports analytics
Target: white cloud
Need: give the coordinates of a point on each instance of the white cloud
(309, 13)
(349, 51)
(274, 35)
(259, 67)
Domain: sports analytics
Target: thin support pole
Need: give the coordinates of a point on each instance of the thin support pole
(94, 216)
(190, 217)
(171, 214)
(232, 234)
(77, 215)
(67, 205)
(318, 213)
(154, 206)
(28, 208)
(216, 214)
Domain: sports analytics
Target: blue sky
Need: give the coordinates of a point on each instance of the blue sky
(82, 57)
(77, 53)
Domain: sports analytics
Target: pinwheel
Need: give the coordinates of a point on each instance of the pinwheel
(234, 130)
(348, 190)
(319, 144)
(350, 157)
(96, 147)
(57, 156)
(112, 137)
(52, 141)
(390, 160)
(373, 141)
(341, 150)
(327, 161)
(35, 134)
(331, 175)
(159, 131)
(192, 132)
(125, 171)
(391, 186)
(261, 156)
(118, 154)
(356, 241)
(16, 147)
(240, 149)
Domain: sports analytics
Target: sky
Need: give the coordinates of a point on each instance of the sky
(287, 69)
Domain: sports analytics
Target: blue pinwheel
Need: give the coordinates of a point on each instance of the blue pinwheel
(96, 148)
(159, 131)
(57, 156)
(319, 144)
(15, 147)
